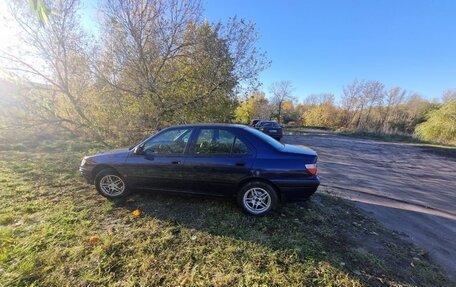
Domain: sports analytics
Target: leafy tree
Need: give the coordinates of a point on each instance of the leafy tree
(156, 63)
(289, 112)
(179, 68)
(255, 107)
(321, 112)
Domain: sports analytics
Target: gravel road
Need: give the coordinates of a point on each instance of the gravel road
(410, 189)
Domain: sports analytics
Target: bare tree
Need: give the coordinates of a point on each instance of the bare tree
(319, 99)
(261, 107)
(53, 63)
(351, 101)
(373, 96)
(393, 98)
(281, 91)
(449, 96)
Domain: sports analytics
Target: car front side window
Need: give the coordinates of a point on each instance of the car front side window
(168, 142)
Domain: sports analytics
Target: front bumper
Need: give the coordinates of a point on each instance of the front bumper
(86, 174)
(297, 190)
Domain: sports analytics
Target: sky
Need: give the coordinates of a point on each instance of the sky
(322, 45)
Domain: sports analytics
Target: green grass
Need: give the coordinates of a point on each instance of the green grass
(48, 214)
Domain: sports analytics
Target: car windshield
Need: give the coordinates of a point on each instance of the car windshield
(267, 138)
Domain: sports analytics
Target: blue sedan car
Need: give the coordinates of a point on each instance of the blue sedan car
(210, 159)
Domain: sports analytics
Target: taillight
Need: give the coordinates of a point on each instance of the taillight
(312, 168)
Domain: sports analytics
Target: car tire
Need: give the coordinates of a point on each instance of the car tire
(110, 184)
(257, 198)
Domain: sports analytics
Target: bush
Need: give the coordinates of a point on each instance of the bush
(440, 125)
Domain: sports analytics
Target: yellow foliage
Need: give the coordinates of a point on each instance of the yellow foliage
(320, 115)
(136, 212)
(287, 106)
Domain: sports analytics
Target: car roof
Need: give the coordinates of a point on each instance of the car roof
(212, 125)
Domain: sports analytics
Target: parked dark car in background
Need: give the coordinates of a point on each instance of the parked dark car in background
(271, 128)
(254, 122)
(213, 159)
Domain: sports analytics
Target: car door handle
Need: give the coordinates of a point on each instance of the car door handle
(240, 163)
(176, 162)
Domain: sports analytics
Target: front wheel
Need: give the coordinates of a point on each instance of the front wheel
(257, 198)
(110, 184)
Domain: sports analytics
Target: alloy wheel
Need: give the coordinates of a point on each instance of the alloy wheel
(112, 185)
(257, 200)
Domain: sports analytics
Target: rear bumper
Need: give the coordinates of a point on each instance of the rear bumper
(86, 174)
(274, 135)
(297, 190)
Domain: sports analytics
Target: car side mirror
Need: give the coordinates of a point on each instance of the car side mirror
(139, 150)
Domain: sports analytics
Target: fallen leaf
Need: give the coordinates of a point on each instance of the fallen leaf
(94, 239)
(136, 212)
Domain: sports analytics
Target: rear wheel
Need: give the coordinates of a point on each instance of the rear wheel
(110, 184)
(257, 198)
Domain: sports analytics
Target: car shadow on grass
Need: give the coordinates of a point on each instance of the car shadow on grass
(324, 229)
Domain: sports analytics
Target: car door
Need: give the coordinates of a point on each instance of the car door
(159, 165)
(219, 160)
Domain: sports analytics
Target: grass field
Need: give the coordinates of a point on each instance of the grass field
(55, 230)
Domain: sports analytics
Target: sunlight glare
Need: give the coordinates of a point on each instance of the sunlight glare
(8, 32)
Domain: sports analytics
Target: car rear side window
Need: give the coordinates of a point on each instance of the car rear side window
(239, 147)
(218, 142)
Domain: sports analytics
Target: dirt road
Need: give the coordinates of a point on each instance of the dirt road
(410, 189)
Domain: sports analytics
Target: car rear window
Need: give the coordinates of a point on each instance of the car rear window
(276, 144)
(269, 124)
